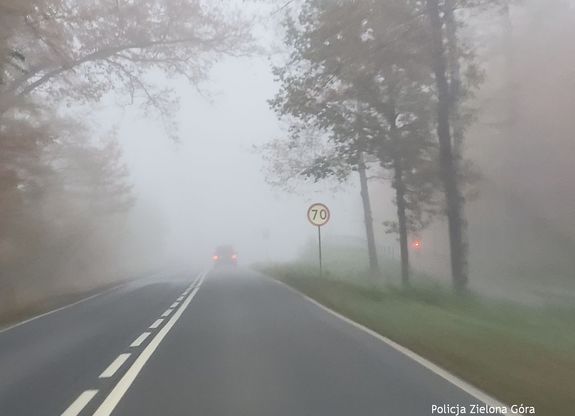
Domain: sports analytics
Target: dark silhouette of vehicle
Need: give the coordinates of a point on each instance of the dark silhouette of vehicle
(225, 256)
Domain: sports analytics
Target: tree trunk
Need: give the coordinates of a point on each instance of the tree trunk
(401, 219)
(453, 52)
(448, 167)
(368, 218)
(399, 186)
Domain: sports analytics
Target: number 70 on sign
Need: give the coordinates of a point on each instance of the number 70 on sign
(318, 214)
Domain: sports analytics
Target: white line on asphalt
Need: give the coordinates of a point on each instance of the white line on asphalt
(108, 405)
(138, 341)
(180, 298)
(168, 311)
(115, 366)
(174, 305)
(463, 385)
(157, 323)
(104, 292)
(79, 404)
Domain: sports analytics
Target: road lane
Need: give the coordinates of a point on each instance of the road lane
(248, 346)
(239, 344)
(118, 391)
(47, 363)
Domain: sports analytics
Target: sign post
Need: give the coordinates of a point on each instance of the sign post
(318, 215)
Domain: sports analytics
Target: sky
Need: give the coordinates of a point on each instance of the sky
(209, 188)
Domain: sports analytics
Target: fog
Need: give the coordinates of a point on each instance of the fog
(202, 182)
(521, 229)
(158, 164)
(209, 188)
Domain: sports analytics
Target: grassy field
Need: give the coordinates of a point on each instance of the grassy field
(516, 353)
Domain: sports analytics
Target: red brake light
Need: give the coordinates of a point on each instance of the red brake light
(215, 257)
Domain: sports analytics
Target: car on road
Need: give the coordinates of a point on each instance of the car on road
(225, 256)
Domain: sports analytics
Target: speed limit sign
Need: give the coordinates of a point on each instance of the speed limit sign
(318, 214)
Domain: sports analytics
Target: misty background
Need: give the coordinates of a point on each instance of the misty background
(208, 186)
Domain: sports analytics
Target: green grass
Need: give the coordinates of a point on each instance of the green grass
(516, 353)
(350, 264)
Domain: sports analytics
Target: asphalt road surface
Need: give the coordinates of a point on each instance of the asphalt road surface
(229, 343)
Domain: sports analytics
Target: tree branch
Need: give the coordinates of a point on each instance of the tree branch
(105, 53)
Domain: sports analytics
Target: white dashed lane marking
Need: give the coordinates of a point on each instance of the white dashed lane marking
(112, 400)
(157, 323)
(138, 341)
(78, 405)
(115, 366)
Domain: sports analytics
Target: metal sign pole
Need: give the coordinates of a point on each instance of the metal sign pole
(320, 259)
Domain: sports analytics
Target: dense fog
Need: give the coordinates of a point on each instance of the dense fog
(104, 177)
(520, 215)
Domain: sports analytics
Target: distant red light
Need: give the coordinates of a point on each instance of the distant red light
(234, 256)
(215, 257)
(417, 244)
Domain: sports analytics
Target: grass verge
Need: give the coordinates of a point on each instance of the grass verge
(516, 353)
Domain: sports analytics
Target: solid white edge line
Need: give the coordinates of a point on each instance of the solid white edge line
(61, 308)
(456, 381)
(156, 324)
(78, 405)
(138, 341)
(112, 400)
(115, 366)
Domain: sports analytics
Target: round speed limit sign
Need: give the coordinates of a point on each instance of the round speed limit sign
(318, 214)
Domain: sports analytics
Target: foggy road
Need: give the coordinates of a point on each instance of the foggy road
(229, 342)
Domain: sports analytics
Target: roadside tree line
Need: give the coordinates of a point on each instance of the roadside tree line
(64, 190)
(383, 84)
